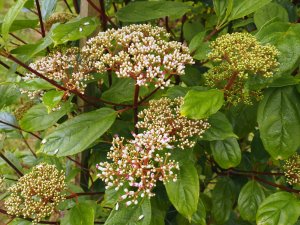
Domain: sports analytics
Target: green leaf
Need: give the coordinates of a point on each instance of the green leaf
(250, 197)
(10, 17)
(227, 153)
(9, 95)
(21, 24)
(243, 8)
(279, 121)
(202, 104)
(220, 7)
(197, 41)
(121, 91)
(199, 217)
(278, 209)
(136, 214)
(47, 8)
(184, 193)
(52, 98)
(223, 197)
(74, 29)
(7, 118)
(37, 117)
(150, 10)
(87, 128)
(268, 12)
(285, 37)
(35, 84)
(81, 214)
(285, 81)
(30, 50)
(220, 128)
(159, 208)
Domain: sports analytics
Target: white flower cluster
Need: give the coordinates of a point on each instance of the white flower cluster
(63, 66)
(137, 165)
(141, 52)
(165, 113)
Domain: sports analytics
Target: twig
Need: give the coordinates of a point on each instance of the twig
(103, 15)
(99, 11)
(7, 67)
(154, 91)
(88, 99)
(28, 146)
(211, 34)
(68, 6)
(19, 39)
(11, 164)
(75, 195)
(135, 106)
(19, 128)
(40, 17)
(76, 6)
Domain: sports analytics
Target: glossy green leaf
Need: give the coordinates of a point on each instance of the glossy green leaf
(197, 41)
(52, 98)
(281, 208)
(9, 95)
(199, 217)
(148, 10)
(122, 91)
(243, 8)
(223, 197)
(284, 36)
(184, 193)
(227, 153)
(74, 29)
(135, 214)
(250, 197)
(268, 12)
(279, 121)
(47, 8)
(10, 17)
(81, 214)
(37, 117)
(7, 118)
(220, 128)
(35, 84)
(87, 128)
(21, 24)
(202, 104)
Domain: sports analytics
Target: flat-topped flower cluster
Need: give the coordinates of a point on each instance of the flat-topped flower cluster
(237, 58)
(37, 193)
(138, 164)
(141, 52)
(292, 169)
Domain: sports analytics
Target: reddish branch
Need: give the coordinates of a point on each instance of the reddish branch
(11, 164)
(211, 34)
(68, 6)
(100, 12)
(40, 17)
(19, 39)
(75, 195)
(135, 106)
(7, 67)
(88, 99)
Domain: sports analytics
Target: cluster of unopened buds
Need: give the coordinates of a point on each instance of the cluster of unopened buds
(238, 58)
(64, 66)
(60, 17)
(291, 169)
(138, 164)
(37, 194)
(20, 111)
(141, 52)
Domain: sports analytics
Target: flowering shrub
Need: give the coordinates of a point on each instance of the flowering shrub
(150, 112)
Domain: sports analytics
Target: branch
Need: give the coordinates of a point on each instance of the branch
(99, 11)
(19, 39)
(75, 195)
(28, 146)
(7, 67)
(88, 99)
(40, 17)
(68, 6)
(154, 91)
(211, 34)
(19, 128)
(103, 15)
(11, 164)
(135, 106)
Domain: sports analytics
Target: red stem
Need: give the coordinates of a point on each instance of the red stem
(11, 164)
(40, 17)
(75, 195)
(68, 6)
(19, 39)
(211, 34)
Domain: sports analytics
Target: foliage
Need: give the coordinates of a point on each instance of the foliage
(150, 112)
